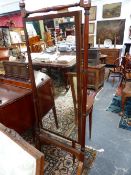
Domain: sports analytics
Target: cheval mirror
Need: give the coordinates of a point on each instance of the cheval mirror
(56, 51)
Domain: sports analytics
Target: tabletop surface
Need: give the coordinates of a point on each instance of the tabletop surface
(53, 60)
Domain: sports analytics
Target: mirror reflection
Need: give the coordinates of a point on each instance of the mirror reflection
(52, 45)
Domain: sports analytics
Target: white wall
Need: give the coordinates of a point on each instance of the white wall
(12, 5)
(125, 14)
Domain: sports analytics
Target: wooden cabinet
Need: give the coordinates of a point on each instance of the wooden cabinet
(112, 54)
(16, 103)
(16, 107)
(96, 76)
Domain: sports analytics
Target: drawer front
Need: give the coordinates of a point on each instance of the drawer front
(112, 54)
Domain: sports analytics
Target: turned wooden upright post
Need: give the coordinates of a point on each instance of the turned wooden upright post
(31, 71)
(86, 4)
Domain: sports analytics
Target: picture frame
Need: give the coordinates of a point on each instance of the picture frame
(110, 29)
(91, 28)
(91, 40)
(92, 15)
(112, 10)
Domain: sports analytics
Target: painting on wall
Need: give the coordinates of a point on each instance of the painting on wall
(92, 15)
(4, 36)
(110, 29)
(91, 28)
(91, 40)
(112, 10)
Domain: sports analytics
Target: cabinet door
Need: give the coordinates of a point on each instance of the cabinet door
(112, 54)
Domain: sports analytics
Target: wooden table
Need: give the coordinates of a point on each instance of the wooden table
(63, 66)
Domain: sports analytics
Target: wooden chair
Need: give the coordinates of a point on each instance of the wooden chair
(126, 93)
(72, 77)
(17, 156)
(116, 71)
(126, 68)
(36, 45)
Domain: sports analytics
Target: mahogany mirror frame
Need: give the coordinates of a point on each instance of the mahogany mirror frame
(77, 18)
(82, 66)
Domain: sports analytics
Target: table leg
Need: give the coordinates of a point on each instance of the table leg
(65, 78)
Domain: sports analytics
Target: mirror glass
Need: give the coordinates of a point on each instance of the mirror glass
(54, 42)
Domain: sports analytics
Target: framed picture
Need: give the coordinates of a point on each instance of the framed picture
(111, 29)
(91, 40)
(112, 10)
(91, 28)
(92, 15)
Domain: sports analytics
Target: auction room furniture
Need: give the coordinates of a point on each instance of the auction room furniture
(126, 67)
(35, 44)
(72, 76)
(43, 136)
(63, 63)
(126, 93)
(17, 156)
(112, 54)
(16, 103)
(103, 58)
(96, 76)
(93, 56)
(115, 71)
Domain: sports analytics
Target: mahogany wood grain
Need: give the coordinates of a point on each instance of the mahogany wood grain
(17, 108)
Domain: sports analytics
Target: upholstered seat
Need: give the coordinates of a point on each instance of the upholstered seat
(17, 157)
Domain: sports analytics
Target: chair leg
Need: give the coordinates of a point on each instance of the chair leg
(90, 122)
(74, 146)
(55, 116)
(123, 103)
(108, 75)
(113, 81)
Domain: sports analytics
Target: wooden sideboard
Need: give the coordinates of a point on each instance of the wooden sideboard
(16, 103)
(96, 76)
(112, 54)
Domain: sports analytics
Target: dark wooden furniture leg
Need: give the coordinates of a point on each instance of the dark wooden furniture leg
(90, 122)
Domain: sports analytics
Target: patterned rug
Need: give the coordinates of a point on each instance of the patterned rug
(115, 106)
(65, 115)
(57, 161)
